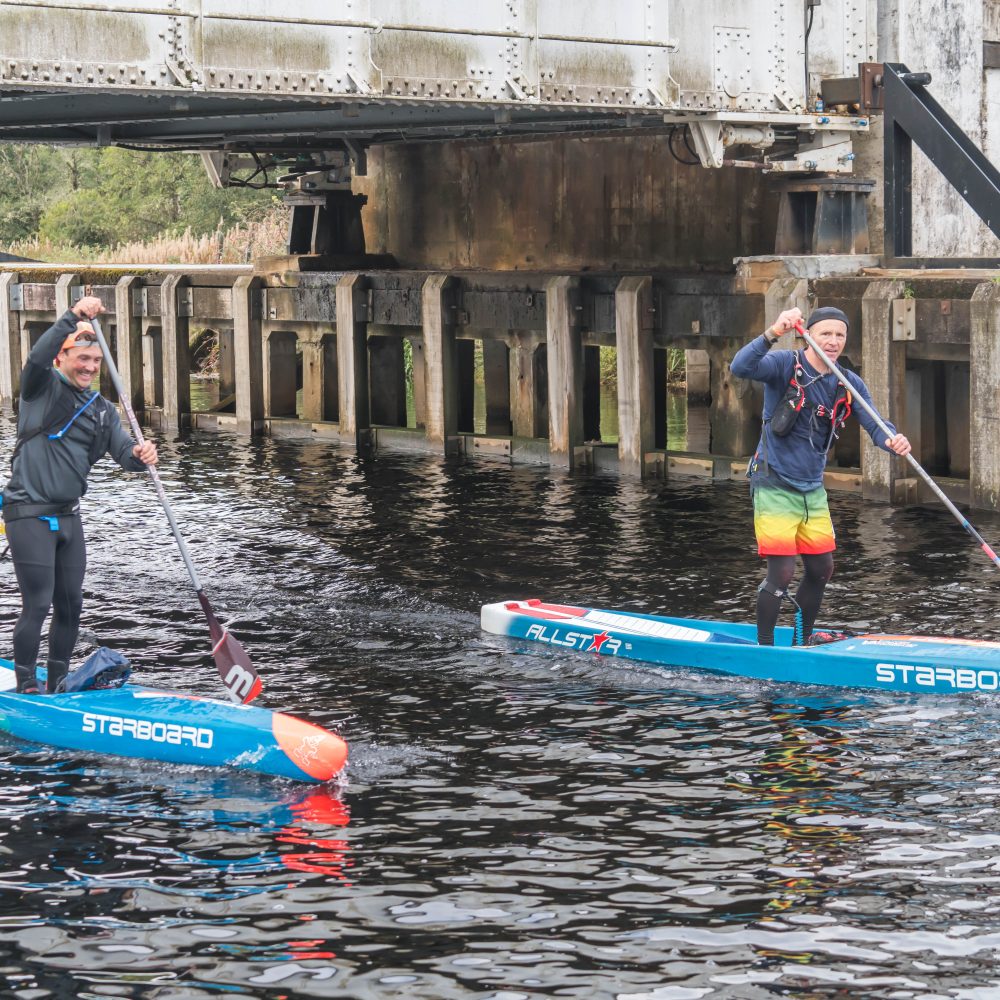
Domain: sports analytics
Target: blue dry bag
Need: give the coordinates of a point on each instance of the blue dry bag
(104, 668)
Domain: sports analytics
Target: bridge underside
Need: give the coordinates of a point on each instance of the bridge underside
(214, 122)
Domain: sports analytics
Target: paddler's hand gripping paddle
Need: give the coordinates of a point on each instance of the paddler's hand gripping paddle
(237, 673)
(918, 468)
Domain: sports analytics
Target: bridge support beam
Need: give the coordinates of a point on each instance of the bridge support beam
(10, 343)
(883, 365)
(248, 354)
(984, 401)
(564, 355)
(636, 387)
(352, 359)
(176, 355)
(440, 363)
(128, 341)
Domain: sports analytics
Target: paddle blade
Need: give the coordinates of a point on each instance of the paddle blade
(238, 675)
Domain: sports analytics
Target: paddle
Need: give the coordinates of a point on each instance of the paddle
(858, 401)
(238, 675)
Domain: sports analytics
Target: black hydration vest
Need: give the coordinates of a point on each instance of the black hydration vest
(788, 410)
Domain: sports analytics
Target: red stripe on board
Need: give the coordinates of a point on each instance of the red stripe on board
(557, 616)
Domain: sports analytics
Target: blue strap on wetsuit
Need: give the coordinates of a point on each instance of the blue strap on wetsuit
(72, 420)
(53, 519)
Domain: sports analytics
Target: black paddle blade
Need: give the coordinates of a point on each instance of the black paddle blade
(238, 675)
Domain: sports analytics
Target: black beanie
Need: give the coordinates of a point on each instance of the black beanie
(827, 312)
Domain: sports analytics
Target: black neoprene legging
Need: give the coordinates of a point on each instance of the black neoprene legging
(50, 566)
(809, 596)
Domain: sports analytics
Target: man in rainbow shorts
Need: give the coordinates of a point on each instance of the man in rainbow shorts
(804, 408)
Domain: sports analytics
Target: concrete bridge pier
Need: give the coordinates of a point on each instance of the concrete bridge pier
(636, 392)
(883, 363)
(984, 396)
(354, 406)
(387, 371)
(440, 364)
(529, 412)
(565, 375)
(10, 342)
(497, 385)
(128, 351)
(248, 355)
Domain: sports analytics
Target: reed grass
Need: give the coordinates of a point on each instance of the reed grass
(237, 245)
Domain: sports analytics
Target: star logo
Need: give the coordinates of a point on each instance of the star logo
(599, 640)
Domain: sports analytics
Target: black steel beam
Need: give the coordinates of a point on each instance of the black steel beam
(913, 116)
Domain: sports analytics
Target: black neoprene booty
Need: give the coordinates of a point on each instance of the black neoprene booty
(27, 682)
(56, 670)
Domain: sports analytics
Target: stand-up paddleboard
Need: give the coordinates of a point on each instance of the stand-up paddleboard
(168, 726)
(888, 662)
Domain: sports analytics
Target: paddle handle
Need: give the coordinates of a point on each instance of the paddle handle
(888, 431)
(116, 381)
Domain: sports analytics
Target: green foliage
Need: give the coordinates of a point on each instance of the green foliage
(103, 197)
(676, 371)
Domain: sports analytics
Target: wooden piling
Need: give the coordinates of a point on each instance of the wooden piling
(496, 372)
(10, 343)
(440, 362)
(352, 358)
(128, 340)
(525, 387)
(564, 355)
(387, 378)
(636, 390)
(176, 354)
(883, 367)
(248, 355)
(984, 396)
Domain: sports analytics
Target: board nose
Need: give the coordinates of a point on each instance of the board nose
(318, 753)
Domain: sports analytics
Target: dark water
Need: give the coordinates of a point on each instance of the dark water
(514, 823)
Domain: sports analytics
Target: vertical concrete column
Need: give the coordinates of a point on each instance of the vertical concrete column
(984, 396)
(387, 378)
(63, 285)
(786, 293)
(352, 357)
(591, 393)
(331, 380)
(636, 391)
(697, 376)
(281, 364)
(248, 355)
(10, 343)
(522, 386)
(312, 377)
(564, 355)
(152, 363)
(883, 366)
(176, 355)
(734, 416)
(128, 341)
(419, 366)
(496, 371)
(227, 364)
(440, 362)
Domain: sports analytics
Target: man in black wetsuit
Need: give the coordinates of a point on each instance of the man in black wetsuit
(63, 428)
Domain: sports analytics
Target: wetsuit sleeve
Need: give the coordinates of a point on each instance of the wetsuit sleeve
(121, 445)
(875, 432)
(35, 377)
(754, 362)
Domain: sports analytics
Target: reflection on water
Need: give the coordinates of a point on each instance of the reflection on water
(516, 821)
